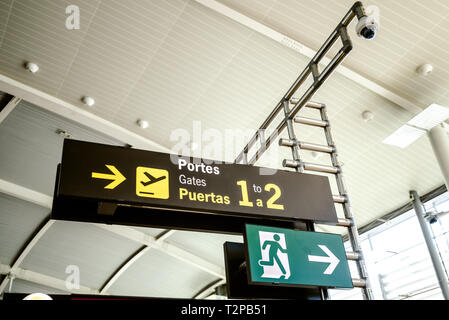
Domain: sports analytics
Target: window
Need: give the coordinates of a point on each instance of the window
(397, 259)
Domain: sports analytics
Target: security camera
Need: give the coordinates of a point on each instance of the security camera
(367, 27)
(369, 22)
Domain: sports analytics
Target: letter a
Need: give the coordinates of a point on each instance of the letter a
(73, 20)
(73, 279)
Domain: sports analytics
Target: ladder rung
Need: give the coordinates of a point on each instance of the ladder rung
(339, 198)
(306, 145)
(311, 122)
(289, 163)
(320, 168)
(344, 222)
(310, 104)
(353, 255)
(315, 105)
(286, 142)
(310, 166)
(359, 283)
(315, 147)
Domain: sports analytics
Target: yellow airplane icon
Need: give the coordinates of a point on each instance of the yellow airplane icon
(152, 183)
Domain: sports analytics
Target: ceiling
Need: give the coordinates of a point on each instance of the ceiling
(411, 33)
(176, 62)
(31, 149)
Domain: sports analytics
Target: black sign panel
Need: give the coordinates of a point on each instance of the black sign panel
(237, 285)
(111, 174)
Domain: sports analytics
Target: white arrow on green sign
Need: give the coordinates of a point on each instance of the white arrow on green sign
(330, 258)
(293, 257)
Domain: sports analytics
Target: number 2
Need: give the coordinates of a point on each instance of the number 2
(274, 197)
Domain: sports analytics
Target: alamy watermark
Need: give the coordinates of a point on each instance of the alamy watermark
(72, 22)
(72, 281)
(213, 146)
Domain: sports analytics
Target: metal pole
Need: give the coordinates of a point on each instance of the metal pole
(439, 271)
(339, 32)
(439, 139)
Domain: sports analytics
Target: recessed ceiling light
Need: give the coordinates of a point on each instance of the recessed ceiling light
(89, 101)
(142, 123)
(367, 115)
(424, 69)
(31, 67)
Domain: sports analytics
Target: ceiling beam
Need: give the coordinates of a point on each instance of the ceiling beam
(25, 251)
(116, 275)
(158, 243)
(209, 289)
(34, 240)
(164, 235)
(166, 248)
(74, 113)
(132, 259)
(310, 53)
(9, 107)
(51, 282)
(42, 200)
(23, 193)
(45, 280)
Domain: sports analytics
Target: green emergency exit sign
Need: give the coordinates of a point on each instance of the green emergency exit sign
(292, 257)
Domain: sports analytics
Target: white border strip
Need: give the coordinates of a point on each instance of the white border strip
(69, 111)
(26, 194)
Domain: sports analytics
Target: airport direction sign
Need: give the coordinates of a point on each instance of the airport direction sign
(129, 176)
(292, 257)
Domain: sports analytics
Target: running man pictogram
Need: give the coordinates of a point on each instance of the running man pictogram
(273, 257)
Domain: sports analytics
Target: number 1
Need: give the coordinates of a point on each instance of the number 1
(244, 202)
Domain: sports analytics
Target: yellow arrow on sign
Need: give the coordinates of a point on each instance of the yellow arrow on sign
(117, 176)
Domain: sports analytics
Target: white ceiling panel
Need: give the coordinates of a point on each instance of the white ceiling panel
(196, 51)
(95, 251)
(208, 246)
(31, 148)
(120, 44)
(411, 33)
(18, 222)
(5, 8)
(413, 168)
(156, 274)
(36, 32)
(22, 286)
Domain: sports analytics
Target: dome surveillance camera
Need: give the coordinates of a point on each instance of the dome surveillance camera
(367, 27)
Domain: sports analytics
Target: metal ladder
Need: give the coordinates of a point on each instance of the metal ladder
(312, 69)
(342, 197)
